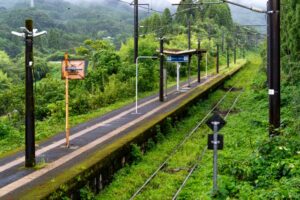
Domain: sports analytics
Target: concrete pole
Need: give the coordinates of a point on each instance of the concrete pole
(274, 90)
(161, 71)
(29, 104)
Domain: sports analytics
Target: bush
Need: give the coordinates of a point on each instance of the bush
(136, 153)
(87, 194)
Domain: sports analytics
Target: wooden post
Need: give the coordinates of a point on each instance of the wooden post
(67, 102)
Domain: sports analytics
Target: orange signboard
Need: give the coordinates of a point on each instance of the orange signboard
(74, 69)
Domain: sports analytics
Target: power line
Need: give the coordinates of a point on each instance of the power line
(140, 6)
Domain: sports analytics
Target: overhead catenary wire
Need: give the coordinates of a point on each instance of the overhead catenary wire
(140, 6)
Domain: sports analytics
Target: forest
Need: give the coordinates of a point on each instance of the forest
(111, 72)
(105, 41)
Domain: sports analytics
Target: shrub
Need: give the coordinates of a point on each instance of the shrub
(136, 153)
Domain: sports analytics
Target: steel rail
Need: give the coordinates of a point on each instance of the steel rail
(175, 149)
(199, 159)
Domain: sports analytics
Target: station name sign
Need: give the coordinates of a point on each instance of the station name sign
(178, 59)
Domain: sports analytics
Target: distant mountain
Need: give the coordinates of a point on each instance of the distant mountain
(68, 24)
(246, 17)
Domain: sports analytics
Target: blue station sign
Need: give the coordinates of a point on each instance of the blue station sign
(180, 59)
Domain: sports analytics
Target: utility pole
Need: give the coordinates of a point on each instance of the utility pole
(269, 49)
(29, 33)
(199, 60)
(274, 86)
(218, 61)
(136, 29)
(228, 56)
(189, 47)
(235, 53)
(66, 60)
(29, 105)
(223, 38)
(244, 51)
(161, 71)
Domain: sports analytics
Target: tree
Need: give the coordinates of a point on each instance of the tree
(290, 37)
(5, 82)
(184, 12)
(166, 18)
(166, 21)
(7, 66)
(221, 14)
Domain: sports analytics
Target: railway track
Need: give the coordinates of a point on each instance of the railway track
(180, 147)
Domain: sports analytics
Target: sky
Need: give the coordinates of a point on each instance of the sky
(256, 3)
(164, 3)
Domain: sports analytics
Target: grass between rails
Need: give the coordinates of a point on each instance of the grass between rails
(165, 183)
(242, 136)
(50, 127)
(252, 165)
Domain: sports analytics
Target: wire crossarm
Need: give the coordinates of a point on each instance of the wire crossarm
(25, 32)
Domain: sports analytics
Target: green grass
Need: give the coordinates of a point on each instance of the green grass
(241, 137)
(165, 183)
(251, 166)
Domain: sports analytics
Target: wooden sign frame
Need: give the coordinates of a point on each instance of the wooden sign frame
(74, 71)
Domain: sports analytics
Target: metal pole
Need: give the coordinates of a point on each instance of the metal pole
(29, 102)
(189, 34)
(199, 61)
(161, 71)
(223, 37)
(215, 162)
(136, 84)
(256, 40)
(67, 102)
(228, 56)
(166, 82)
(136, 29)
(178, 77)
(189, 47)
(235, 54)
(274, 91)
(218, 61)
(206, 66)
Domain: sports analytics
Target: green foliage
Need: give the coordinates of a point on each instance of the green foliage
(7, 66)
(136, 153)
(87, 194)
(49, 102)
(290, 36)
(220, 14)
(150, 144)
(5, 82)
(12, 100)
(66, 24)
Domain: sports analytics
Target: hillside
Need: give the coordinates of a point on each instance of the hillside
(253, 164)
(67, 24)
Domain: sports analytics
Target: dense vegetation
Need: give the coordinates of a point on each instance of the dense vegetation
(104, 41)
(111, 72)
(68, 24)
